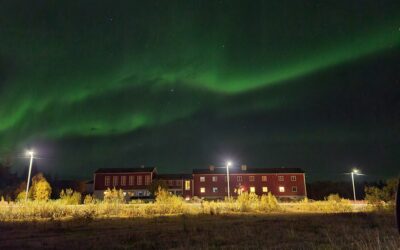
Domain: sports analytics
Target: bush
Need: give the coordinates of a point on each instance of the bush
(268, 202)
(70, 197)
(333, 197)
(375, 195)
(167, 203)
(114, 196)
(89, 199)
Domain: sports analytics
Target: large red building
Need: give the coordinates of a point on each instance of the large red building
(212, 183)
(209, 183)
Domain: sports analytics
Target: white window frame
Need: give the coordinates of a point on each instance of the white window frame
(265, 189)
(147, 180)
(294, 189)
(215, 178)
(293, 178)
(131, 180)
(215, 190)
(281, 178)
(252, 178)
(239, 178)
(264, 178)
(281, 189)
(115, 181)
(202, 179)
(107, 181)
(252, 189)
(139, 180)
(202, 190)
(123, 180)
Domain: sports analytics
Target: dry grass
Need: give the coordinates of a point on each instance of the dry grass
(246, 223)
(240, 231)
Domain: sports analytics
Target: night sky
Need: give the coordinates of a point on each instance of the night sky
(184, 84)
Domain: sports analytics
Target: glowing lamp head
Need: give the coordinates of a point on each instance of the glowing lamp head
(29, 153)
(355, 171)
(229, 163)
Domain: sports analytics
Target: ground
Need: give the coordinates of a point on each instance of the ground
(244, 231)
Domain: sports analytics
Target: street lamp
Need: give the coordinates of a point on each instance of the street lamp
(354, 172)
(29, 153)
(228, 164)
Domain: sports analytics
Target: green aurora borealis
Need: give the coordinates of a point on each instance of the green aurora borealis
(184, 84)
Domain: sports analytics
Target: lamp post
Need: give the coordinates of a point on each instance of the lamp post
(355, 171)
(29, 153)
(228, 164)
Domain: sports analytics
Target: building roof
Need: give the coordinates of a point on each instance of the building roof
(248, 171)
(173, 176)
(124, 170)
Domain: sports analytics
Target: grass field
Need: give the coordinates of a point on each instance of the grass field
(240, 231)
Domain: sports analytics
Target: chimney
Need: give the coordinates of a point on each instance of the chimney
(212, 168)
(243, 168)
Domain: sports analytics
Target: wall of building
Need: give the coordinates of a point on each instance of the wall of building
(293, 188)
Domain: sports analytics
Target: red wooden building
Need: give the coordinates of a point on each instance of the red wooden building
(134, 181)
(211, 183)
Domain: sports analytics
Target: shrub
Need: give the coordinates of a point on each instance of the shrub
(70, 197)
(114, 196)
(167, 203)
(333, 197)
(89, 199)
(268, 202)
(41, 189)
(246, 201)
(375, 195)
(21, 196)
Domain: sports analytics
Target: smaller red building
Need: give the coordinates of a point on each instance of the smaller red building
(212, 183)
(134, 181)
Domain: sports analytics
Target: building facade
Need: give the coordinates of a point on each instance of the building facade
(178, 184)
(212, 183)
(134, 182)
(208, 183)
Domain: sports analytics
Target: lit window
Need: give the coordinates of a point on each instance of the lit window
(280, 178)
(123, 180)
(147, 180)
(294, 189)
(264, 178)
(251, 178)
(107, 181)
(281, 189)
(239, 178)
(187, 185)
(115, 181)
(214, 178)
(202, 190)
(215, 190)
(131, 180)
(252, 189)
(265, 189)
(139, 180)
(202, 179)
(293, 178)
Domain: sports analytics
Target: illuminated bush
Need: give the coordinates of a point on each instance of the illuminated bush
(89, 199)
(167, 203)
(70, 197)
(114, 196)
